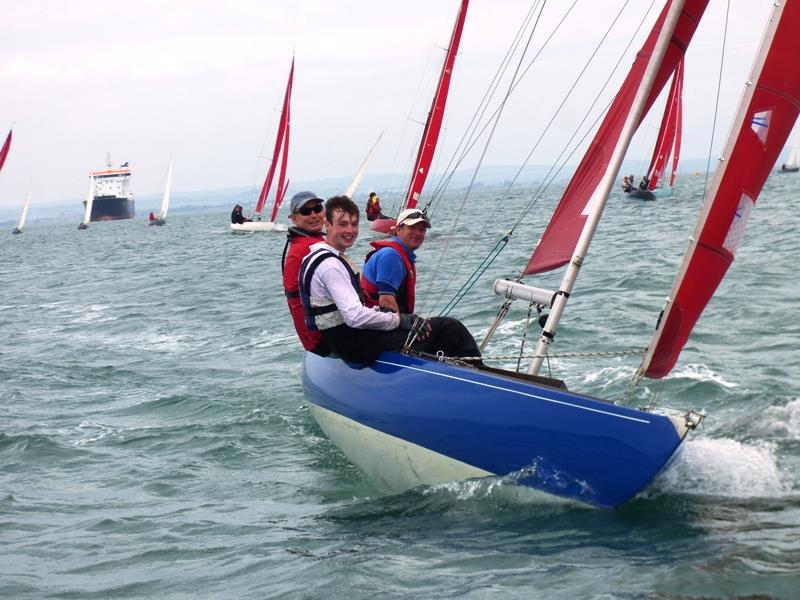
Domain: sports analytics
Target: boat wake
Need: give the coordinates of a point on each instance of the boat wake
(723, 467)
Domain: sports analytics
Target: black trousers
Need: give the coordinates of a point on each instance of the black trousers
(448, 336)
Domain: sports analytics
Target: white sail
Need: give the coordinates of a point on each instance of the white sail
(165, 199)
(794, 154)
(87, 213)
(24, 216)
(351, 189)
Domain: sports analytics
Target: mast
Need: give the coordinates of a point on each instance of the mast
(597, 201)
(767, 113)
(279, 140)
(433, 126)
(351, 189)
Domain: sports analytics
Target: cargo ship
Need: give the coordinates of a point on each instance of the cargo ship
(113, 198)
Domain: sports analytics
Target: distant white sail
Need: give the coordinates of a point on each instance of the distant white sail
(351, 189)
(24, 216)
(165, 200)
(87, 213)
(794, 154)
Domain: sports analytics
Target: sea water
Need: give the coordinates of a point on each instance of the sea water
(154, 441)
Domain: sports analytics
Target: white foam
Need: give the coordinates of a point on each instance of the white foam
(700, 372)
(780, 421)
(724, 467)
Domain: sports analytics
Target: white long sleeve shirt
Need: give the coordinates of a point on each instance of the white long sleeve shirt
(331, 283)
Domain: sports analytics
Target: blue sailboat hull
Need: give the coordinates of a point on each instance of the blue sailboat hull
(408, 421)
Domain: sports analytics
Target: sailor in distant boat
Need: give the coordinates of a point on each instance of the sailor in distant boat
(334, 302)
(306, 212)
(237, 216)
(152, 216)
(644, 183)
(627, 183)
(374, 210)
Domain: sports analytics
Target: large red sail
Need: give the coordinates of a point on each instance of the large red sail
(667, 131)
(282, 138)
(433, 126)
(282, 183)
(558, 242)
(676, 147)
(5, 149)
(767, 113)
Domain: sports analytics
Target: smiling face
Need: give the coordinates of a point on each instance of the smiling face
(412, 235)
(313, 221)
(342, 230)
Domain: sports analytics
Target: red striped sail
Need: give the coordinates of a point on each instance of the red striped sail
(433, 126)
(767, 113)
(667, 132)
(281, 139)
(558, 242)
(5, 149)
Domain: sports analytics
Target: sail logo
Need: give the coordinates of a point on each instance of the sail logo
(739, 223)
(760, 124)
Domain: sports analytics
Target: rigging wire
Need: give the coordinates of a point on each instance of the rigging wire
(716, 102)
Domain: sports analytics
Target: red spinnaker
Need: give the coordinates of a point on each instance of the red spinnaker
(766, 116)
(282, 138)
(433, 126)
(558, 242)
(5, 149)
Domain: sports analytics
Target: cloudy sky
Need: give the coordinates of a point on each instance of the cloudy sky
(205, 79)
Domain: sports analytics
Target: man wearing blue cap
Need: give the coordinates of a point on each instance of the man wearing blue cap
(306, 213)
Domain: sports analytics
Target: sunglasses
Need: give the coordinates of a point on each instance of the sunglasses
(305, 210)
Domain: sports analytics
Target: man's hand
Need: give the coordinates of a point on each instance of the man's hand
(418, 326)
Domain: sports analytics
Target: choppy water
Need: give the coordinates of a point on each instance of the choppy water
(154, 441)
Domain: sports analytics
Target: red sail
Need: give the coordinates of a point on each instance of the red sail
(4, 150)
(282, 138)
(558, 242)
(676, 147)
(667, 131)
(282, 183)
(433, 126)
(767, 113)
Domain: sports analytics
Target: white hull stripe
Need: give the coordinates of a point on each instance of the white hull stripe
(517, 392)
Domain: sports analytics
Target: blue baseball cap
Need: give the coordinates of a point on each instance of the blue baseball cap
(300, 199)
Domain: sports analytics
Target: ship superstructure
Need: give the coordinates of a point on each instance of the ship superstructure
(113, 198)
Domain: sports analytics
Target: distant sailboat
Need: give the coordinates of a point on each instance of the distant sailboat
(281, 144)
(24, 216)
(4, 150)
(433, 126)
(669, 141)
(161, 219)
(793, 164)
(87, 211)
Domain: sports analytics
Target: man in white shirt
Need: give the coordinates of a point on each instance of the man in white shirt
(334, 303)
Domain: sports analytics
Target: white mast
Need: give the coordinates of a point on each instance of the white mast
(597, 202)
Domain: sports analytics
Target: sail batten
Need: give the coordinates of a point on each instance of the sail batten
(433, 125)
(557, 244)
(766, 116)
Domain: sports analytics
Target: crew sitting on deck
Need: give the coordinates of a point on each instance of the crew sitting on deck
(152, 216)
(306, 212)
(627, 184)
(335, 305)
(237, 217)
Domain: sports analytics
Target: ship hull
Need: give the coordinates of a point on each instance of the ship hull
(112, 208)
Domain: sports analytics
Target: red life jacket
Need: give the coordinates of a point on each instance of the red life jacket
(297, 247)
(406, 292)
(373, 210)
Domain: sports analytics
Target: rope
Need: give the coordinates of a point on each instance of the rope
(558, 355)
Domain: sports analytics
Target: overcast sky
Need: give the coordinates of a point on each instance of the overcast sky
(205, 80)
